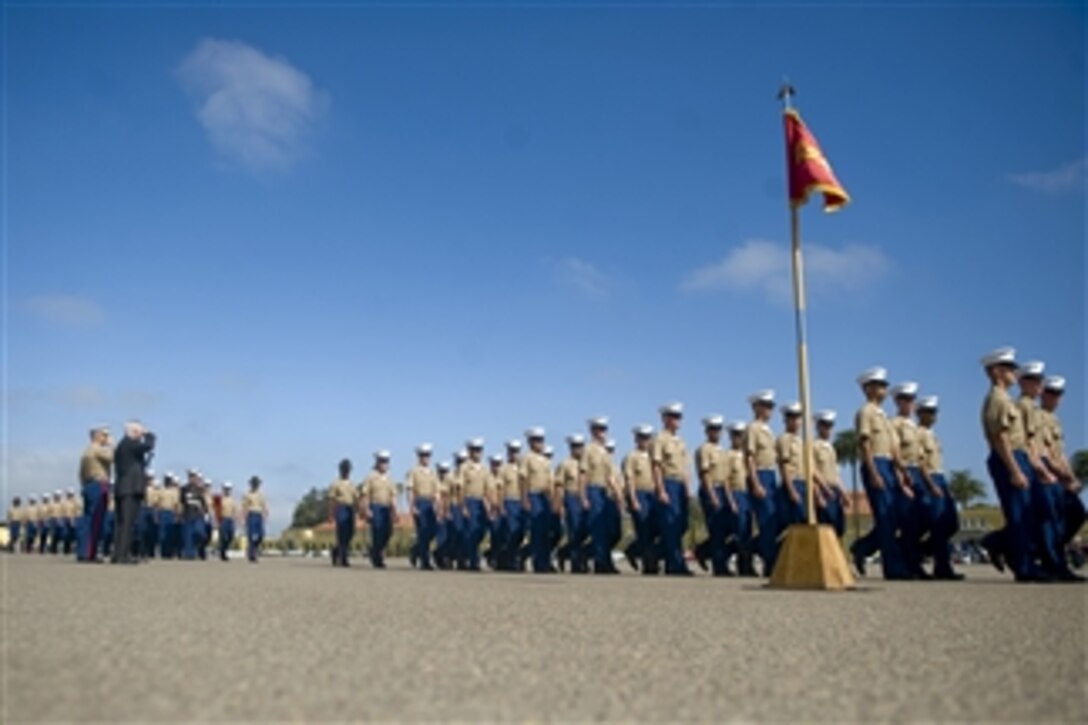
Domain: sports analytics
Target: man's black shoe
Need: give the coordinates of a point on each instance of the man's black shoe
(859, 560)
(701, 554)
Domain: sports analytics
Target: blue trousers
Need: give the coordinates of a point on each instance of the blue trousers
(168, 535)
(614, 524)
(381, 528)
(51, 539)
(89, 530)
(190, 536)
(459, 534)
(738, 531)
(16, 529)
(672, 522)
(716, 527)
(882, 537)
(513, 535)
(475, 530)
(1048, 508)
(1073, 516)
(540, 532)
(790, 513)
(254, 534)
(909, 520)
(1016, 505)
(108, 524)
(765, 514)
(600, 526)
(31, 535)
(833, 514)
(426, 527)
(442, 542)
(344, 515)
(577, 527)
(145, 529)
(226, 536)
(944, 523)
(646, 533)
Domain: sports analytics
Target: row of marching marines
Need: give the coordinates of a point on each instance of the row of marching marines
(537, 514)
(534, 513)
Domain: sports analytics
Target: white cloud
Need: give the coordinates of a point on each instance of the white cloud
(764, 266)
(1064, 178)
(67, 310)
(255, 108)
(583, 276)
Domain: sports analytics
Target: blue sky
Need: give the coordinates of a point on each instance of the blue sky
(284, 236)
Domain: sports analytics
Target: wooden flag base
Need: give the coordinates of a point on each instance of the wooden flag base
(811, 557)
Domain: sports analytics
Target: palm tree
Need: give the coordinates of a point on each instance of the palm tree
(1080, 466)
(965, 488)
(846, 450)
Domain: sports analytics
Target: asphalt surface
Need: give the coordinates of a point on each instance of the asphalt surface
(297, 640)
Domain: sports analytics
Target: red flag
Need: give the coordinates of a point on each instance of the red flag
(808, 169)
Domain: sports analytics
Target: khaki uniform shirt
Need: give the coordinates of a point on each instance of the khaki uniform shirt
(614, 475)
(906, 434)
(169, 499)
(454, 488)
(1052, 436)
(474, 479)
(31, 516)
(930, 450)
(537, 473)
(788, 455)
(253, 501)
(567, 475)
(670, 452)
(508, 482)
(343, 491)
(736, 471)
(17, 514)
(151, 498)
(710, 460)
(1001, 415)
(638, 471)
(226, 507)
(759, 444)
(422, 481)
(872, 425)
(1029, 413)
(598, 464)
(94, 464)
(826, 461)
(379, 488)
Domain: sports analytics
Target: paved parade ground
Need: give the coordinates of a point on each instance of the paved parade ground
(295, 639)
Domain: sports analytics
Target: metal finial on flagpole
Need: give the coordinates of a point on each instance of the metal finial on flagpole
(786, 92)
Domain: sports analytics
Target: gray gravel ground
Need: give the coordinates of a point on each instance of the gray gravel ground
(298, 640)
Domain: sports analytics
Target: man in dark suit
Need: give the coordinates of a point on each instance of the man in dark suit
(130, 462)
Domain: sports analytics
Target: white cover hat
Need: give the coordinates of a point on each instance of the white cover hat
(875, 374)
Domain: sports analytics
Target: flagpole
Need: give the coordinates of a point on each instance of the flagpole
(802, 339)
